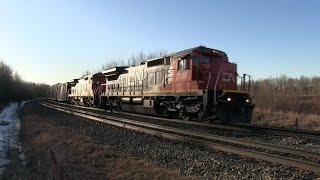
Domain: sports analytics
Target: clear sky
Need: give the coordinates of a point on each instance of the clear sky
(55, 41)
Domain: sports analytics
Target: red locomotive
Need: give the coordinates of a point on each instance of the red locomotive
(194, 83)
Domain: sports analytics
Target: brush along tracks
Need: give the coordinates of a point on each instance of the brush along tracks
(283, 155)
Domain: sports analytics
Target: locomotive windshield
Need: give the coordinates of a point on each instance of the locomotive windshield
(207, 58)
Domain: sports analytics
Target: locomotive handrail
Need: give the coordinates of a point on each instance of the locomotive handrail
(207, 86)
(215, 88)
(243, 82)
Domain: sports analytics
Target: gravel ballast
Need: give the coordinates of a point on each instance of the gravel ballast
(186, 158)
(77, 155)
(256, 136)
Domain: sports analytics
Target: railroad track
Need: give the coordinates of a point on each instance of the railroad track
(302, 159)
(240, 127)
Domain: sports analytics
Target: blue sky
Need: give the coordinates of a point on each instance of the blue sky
(55, 41)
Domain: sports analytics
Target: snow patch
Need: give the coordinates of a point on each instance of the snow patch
(9, 130)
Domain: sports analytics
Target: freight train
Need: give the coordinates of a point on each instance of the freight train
(191, 84)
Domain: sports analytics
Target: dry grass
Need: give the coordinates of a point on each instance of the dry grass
(78, 156)
(283, 100)
(309, 121)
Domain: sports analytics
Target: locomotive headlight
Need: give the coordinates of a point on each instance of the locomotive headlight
(247, 100)
(229, 99)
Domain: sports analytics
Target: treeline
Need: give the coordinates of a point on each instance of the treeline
(13, 88)
(134, 60)
(301, 95)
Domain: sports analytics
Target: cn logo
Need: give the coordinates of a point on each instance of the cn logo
(227, 77)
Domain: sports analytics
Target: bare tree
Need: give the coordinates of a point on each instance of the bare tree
(13, 88)
(134, 60)
(141, 57)
(113, 63)
(288, 94)
(85, 73)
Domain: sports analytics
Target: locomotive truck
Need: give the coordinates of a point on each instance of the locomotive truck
(194, 83)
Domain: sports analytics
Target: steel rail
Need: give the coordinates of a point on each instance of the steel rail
(243, 127)
(282, 131)
(212, 137)
(187, 136)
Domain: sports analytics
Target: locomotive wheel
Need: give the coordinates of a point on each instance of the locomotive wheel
(165, 112)
(184, 115)
(200, 114)
(111, 107)
(118, 106)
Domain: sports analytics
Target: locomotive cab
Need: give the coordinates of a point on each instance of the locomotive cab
(218, 79)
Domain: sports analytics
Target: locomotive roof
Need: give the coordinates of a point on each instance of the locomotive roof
(189, 51)
(186, 52)
(114, 69)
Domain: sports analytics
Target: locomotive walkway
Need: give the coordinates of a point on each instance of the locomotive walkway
(283, 155)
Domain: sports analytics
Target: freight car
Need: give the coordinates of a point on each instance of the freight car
(61, 91)
(58, 92)
(194, 83)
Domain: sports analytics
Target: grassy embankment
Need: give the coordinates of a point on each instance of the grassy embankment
(78, 157)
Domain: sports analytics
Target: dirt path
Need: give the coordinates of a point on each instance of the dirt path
(78, 156)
